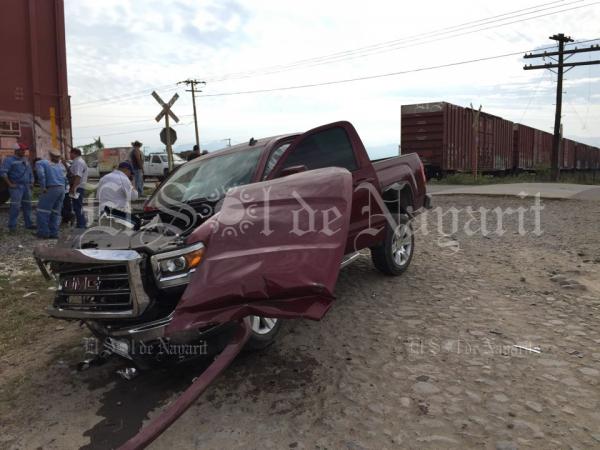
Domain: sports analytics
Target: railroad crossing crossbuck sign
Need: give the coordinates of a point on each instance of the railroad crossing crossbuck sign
(166, 111)
(167, 136)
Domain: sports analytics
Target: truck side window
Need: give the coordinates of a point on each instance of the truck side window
(156, 159)
(328, 148)
(273, 158)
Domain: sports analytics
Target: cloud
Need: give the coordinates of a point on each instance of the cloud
(119, 47)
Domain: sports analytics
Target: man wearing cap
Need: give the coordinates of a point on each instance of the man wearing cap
(18, 175)
(53, 184)
(79, 177)
(137, 163)
(115, 190)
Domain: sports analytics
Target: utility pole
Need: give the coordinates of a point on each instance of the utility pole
(475, 156)
(559, 65)
(193, 84)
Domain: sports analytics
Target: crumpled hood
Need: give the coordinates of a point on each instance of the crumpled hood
(273, 250)
(105, 238)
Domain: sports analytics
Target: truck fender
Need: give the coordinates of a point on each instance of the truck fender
(398, 197)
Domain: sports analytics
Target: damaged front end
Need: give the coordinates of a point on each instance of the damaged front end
(272, 251)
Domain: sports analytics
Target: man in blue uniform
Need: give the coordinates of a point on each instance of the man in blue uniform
(53, 184)
(17, 174)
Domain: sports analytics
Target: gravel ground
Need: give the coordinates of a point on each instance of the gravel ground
(425, 360)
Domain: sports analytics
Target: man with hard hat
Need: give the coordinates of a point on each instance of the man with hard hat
(53, 182)
(17, 174)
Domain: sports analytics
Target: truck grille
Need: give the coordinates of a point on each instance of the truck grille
(95, 284)
(93, 288)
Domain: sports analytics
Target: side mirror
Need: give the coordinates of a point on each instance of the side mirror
(292, 170)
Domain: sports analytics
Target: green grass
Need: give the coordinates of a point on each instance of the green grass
(23, 317)
(541, 176)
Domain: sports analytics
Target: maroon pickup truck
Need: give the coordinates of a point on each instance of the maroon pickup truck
(256, 232)
(231, 244)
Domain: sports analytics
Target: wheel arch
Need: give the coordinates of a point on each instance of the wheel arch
(399, 197)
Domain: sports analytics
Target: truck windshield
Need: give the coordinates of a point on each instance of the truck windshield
(209, 178)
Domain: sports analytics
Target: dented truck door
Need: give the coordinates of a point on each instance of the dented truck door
(339, 145)
(273, 250)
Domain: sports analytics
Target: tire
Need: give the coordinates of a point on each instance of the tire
(4, 192)
(263, 332)
(394, 255)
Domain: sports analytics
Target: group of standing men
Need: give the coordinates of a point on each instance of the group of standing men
(56, 183)
(63, 188)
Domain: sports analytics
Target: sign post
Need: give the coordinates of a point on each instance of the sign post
(166, 113)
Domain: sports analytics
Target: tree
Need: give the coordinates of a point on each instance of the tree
(90, 148)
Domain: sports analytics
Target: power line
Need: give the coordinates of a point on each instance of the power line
(368, 77)
(132, 131)
(533, 96)
(377, 45)
(559, 66)
(395, 44)
(360, 52)
(121, 97)
(122, 123)
(372, 49)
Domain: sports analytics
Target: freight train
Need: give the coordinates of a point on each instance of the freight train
(446, 137)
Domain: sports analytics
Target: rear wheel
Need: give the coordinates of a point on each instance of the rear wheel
(262, 332)
(4, 192)
(394, 255)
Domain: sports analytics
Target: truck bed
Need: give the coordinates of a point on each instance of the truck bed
(404, 168)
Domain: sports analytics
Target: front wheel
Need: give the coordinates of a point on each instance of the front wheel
(262, 332)
(394, 255)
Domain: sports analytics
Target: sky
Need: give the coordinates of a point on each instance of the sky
(119, 51)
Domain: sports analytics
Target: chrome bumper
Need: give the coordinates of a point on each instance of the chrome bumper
(428, 204)
(92, 263)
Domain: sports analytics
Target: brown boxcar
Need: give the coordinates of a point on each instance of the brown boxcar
(587, 157)
(583, 156)
(443, 135)
(34, 103)
(595, 158)
(532, 148)
(568, 152)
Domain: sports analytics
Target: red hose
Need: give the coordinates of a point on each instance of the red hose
(158, 425)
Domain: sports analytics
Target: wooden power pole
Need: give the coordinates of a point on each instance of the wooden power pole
(559, 65)
(475, 156)
(193, 90)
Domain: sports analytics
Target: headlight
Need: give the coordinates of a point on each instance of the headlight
(173, 265)
(174, 268)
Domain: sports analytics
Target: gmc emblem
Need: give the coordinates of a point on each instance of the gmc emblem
(81, 283)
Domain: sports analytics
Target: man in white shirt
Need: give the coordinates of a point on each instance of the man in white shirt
(115, 190)
(78, 176)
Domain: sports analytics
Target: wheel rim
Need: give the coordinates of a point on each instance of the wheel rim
(402, 245)
(262, 325)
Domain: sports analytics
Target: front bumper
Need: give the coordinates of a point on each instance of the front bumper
(94, 284)
(427, 204)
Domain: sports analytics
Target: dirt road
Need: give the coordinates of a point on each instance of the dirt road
(426, 360)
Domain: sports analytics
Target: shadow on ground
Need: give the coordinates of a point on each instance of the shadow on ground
(126, 404)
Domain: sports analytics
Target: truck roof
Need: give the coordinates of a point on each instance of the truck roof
(262, 142)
